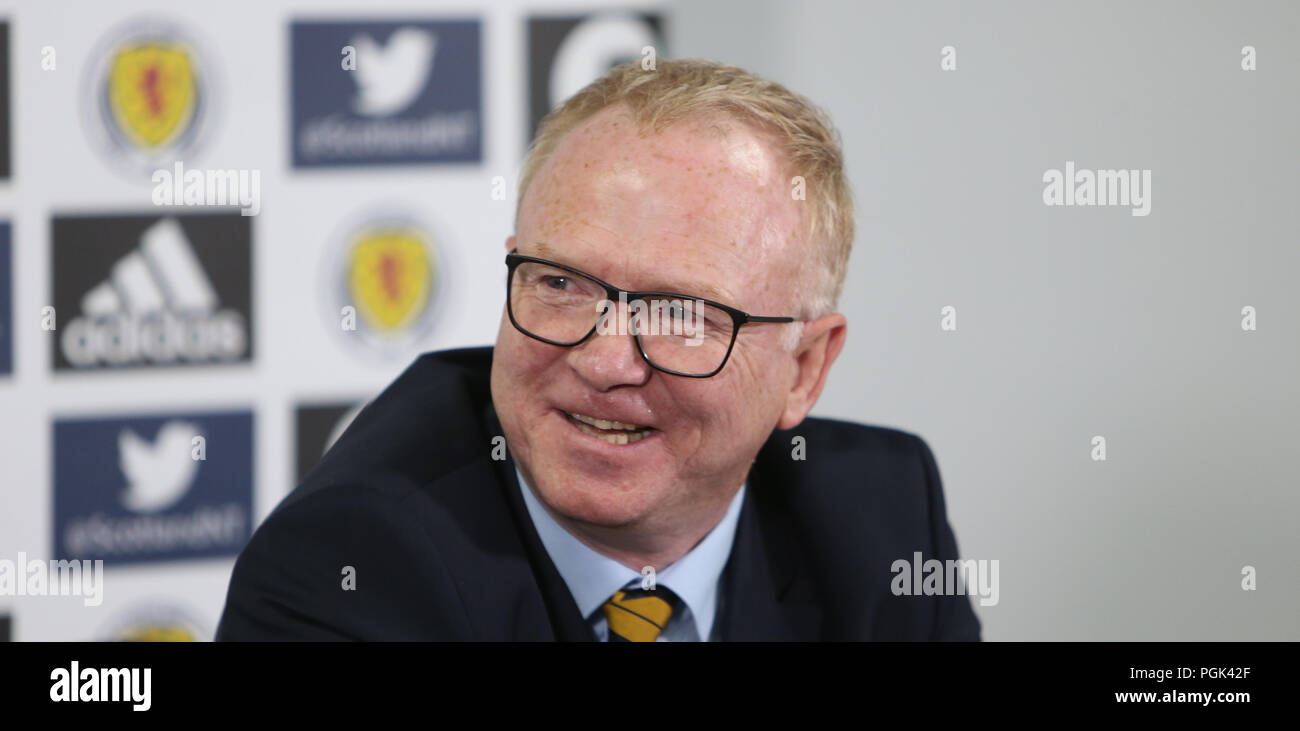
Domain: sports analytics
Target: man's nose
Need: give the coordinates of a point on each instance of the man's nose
(612, 359)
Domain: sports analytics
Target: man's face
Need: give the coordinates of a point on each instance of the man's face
(692, 210)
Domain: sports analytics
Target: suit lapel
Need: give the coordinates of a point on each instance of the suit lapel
(566, 620)
(767, 596)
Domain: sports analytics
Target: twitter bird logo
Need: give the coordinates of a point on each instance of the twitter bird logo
(157, 474)
(390, 77)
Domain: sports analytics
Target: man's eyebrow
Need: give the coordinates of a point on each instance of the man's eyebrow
(697, 290)
(544, 251)
(689, 289)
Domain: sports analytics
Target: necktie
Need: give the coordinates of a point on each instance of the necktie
(638, 615)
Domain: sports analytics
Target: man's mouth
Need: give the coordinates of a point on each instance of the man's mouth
(614, 432)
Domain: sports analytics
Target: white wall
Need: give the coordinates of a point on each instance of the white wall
(1071, 322)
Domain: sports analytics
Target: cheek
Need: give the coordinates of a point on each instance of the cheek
(722, 407)
(521, 357)
(514, 369)
(755, 387)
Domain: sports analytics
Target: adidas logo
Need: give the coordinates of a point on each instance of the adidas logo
(157, 306)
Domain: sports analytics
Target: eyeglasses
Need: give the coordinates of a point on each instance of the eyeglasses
(676, 334)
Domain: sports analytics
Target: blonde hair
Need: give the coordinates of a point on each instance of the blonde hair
(692, 88)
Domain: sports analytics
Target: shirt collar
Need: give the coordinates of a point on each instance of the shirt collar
(593, 577)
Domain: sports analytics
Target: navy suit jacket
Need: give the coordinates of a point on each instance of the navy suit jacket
(442, 548)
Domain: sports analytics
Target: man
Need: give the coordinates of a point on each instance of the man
(680, 243)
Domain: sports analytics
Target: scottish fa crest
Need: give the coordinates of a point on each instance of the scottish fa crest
(390, 275)
(383, 282)
(150, 93)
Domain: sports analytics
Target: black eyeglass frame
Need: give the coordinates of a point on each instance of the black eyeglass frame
(739, 318)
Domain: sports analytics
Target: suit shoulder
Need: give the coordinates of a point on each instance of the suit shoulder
(326, 526)
(853, 435)
(428, 423)
(839, 445)
(857, 471)
(291, 581)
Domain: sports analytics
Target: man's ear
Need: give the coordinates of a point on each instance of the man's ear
(822, 341)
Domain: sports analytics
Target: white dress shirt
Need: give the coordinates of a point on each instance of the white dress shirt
(593, 578)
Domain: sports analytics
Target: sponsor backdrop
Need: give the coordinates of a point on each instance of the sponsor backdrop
(169, 366)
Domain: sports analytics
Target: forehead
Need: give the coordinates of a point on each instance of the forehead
(705, 202)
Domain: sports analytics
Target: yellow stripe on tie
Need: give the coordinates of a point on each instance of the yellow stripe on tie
(638, 618)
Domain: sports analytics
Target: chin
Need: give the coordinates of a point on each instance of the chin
(596, 502)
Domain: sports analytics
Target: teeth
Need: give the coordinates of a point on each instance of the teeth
(585, 424)
(629, 438)
(604, 424)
